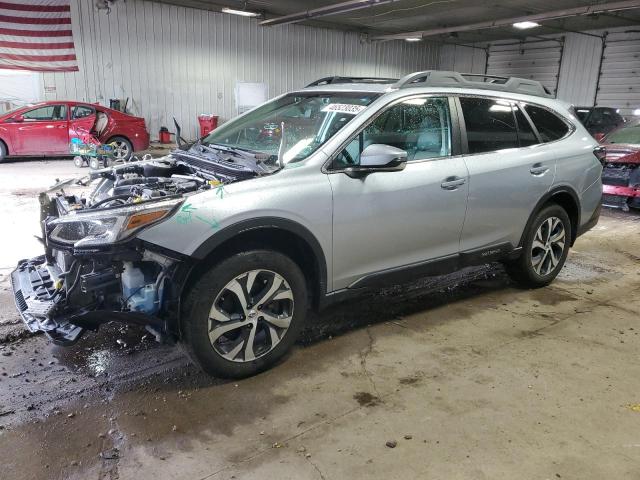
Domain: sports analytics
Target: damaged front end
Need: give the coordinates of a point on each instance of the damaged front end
(95, 269)
(621, 182)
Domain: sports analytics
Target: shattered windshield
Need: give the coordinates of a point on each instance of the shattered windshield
(630, 133)
(301, 122)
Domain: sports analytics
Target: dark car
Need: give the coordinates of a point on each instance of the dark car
(621, 174)
(43, 129)
(599, 120)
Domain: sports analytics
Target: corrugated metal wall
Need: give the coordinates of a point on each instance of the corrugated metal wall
(179, 61)
(537, 60)
(619, 84)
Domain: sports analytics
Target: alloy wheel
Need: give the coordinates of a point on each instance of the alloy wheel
(548, 246)
(120, 149)
(250, 315)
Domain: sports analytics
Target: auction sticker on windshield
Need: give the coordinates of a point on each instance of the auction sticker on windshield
(344, 108)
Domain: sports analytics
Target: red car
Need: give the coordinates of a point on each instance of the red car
(43, 129)
(621, 174)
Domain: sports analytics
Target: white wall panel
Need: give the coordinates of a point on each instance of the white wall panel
(619, 84)
(175, 61)
(536, 60)
(462, 59)
(579, 69)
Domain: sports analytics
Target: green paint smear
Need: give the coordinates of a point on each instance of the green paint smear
(188, 208)
(213, 223)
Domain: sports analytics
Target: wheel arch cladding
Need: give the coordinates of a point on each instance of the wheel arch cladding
(282, 235)
(568, 199)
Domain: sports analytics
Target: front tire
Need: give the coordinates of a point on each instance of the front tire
(244, 314)
(544, 250)
(3, 151)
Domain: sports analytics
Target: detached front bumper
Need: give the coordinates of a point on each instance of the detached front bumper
(620, 197)
(34, 285)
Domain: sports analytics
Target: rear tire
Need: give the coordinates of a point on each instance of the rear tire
(123, 148)
(544, 250)
(244, 314)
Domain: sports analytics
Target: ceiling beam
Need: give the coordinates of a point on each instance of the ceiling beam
(507, 22)
(334, 9)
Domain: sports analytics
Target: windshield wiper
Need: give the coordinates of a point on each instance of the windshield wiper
(245, 152)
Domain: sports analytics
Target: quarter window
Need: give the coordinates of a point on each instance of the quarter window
(419, 126)
(50, 112)
(490, 124)
(550, 126)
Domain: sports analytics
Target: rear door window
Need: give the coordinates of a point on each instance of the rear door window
(81, 111)
(526, 134)
(549, 125)
(490, 124)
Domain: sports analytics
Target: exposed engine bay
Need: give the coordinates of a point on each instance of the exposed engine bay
(94, 269)
(198, 168)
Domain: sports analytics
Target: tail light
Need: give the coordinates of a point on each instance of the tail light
(601, 154)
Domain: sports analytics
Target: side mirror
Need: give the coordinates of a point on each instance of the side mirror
(598, 136)
(379, 158)
(16, 119)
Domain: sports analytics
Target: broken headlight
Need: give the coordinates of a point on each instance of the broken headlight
(86, 228)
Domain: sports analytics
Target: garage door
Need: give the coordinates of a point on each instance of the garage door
(537, 60)
(619, 84)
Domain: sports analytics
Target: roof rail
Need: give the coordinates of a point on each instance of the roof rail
(332, 80)
(438, 78)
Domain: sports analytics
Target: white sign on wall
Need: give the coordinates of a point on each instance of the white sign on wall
(249, 95)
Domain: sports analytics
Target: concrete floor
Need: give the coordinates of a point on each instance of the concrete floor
(473, 379)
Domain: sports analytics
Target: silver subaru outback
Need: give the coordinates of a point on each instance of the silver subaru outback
(310, 198)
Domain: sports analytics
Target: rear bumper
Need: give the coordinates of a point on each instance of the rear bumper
(593, 221)
(37, 300)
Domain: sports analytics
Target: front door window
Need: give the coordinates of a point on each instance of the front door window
(419, 126)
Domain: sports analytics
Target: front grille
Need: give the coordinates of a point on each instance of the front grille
(22, 304)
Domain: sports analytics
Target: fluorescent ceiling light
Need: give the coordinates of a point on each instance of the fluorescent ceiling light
(636, 111)
(412, 39)
(242, 13)
(525, 25)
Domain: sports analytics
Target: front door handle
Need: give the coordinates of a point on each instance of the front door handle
(452, 183)
(538, 169)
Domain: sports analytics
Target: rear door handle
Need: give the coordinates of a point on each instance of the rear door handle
(538, 169)
(452, 183)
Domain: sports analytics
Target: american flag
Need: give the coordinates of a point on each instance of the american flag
(36, 35)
